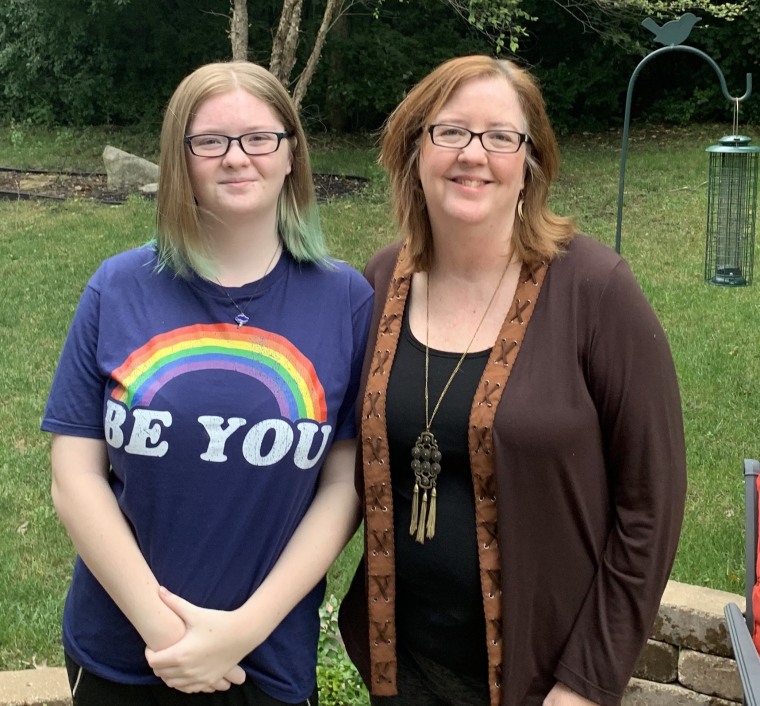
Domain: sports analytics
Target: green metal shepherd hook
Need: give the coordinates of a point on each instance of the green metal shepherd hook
(670, 34)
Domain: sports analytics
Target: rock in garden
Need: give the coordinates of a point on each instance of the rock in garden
(128, 171)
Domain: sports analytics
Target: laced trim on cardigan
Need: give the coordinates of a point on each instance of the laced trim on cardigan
(487, 397)
(378, 499)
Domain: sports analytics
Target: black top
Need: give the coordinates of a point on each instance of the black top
(439, 604)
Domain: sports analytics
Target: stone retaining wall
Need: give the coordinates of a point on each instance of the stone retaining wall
(687, 661)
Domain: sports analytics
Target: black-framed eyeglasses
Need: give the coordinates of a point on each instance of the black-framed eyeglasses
(499, 141)
(252, 143)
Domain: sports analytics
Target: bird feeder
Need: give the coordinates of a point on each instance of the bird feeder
(732, 188)
(731, 211)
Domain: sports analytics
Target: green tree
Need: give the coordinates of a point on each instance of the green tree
(102, 61)
(117, 61)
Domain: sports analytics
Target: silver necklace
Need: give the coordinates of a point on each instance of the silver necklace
(242, 318)
(426, 456)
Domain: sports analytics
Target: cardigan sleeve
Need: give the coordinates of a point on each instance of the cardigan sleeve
(631, 377)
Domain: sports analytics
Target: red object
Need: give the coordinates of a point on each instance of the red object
(756, 589)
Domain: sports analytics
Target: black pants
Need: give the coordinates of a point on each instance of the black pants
(422, 682)
(88, 689)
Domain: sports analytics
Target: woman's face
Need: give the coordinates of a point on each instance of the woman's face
(237, 184)
(469, 186)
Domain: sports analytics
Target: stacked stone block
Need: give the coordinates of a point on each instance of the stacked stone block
(689, 659)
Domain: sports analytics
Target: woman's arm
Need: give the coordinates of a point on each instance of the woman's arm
(217, 640)
(105, 542)
(632, 379)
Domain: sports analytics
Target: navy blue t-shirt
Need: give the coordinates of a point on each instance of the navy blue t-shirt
(215, 435)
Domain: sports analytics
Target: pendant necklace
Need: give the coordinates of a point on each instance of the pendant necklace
(426, 456)
(242, 318)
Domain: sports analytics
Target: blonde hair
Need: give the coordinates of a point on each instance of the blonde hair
(182, 244)
(541, 234)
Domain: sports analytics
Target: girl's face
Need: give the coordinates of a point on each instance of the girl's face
(237, 184)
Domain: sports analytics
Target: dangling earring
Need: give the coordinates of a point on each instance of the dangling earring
(520, 202)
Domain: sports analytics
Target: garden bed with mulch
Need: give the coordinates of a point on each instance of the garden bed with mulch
(26, 184)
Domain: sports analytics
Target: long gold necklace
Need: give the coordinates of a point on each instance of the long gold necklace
(426, 456)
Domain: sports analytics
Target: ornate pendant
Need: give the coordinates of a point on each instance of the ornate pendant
(241, 319)
(426, 464)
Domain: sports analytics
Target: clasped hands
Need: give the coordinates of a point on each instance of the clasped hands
(207, 657)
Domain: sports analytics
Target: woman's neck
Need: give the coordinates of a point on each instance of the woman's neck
(470, 253)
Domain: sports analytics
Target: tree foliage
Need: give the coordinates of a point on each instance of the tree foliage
(102, 61)
(117, 61)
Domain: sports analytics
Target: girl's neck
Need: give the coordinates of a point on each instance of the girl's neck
(242, 248)
(245, 260)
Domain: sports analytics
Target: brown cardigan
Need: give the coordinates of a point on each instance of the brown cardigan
(587, 452)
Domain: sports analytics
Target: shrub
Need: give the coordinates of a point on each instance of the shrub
(339, 682)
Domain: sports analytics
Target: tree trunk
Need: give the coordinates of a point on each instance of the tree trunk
(239, 30)
(304, 79)
(286, 41)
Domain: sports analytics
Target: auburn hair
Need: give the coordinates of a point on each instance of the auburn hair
(541, 234)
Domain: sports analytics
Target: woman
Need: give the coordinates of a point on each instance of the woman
(522, 455)
(202, 413)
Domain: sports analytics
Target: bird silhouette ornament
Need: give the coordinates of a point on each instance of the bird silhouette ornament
(673, 32)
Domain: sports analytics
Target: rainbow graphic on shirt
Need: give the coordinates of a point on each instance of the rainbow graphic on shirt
(265, 356)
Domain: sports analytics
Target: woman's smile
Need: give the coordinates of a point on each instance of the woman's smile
(470, 186)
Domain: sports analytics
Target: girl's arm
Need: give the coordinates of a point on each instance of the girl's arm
(214, 640)
(101, 535)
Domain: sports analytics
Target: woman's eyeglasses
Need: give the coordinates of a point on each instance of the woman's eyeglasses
(455, 137)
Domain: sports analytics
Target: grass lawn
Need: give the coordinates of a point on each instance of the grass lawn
(48, 251)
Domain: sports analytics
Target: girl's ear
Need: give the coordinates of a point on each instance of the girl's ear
(292, 146)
